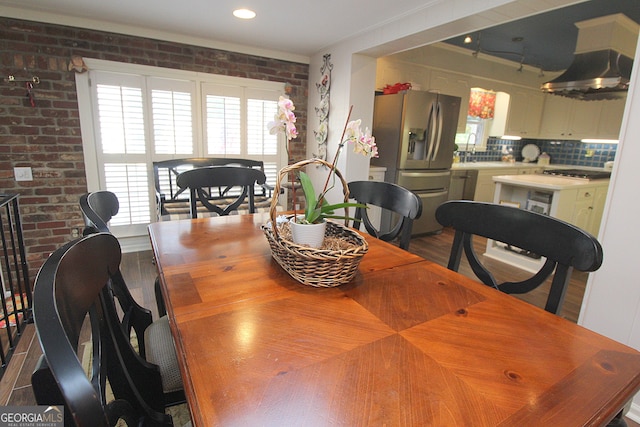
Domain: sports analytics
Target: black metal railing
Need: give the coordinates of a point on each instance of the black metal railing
(15, 295)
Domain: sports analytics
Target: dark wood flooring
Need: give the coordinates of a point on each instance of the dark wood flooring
(139, 272)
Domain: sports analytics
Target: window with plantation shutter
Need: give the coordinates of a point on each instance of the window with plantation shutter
(223, 126)
(142, 114)
(172, 107)
(259, 141)
(129, 181)
(122, 145)
(121, 119)
(236, 125)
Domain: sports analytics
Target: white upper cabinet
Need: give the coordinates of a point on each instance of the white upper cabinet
(611, 119)
(518, 112)
(453, 84)
(566, 118)
(525, 110)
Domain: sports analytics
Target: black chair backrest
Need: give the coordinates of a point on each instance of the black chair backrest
(165, 173)
(564, 245)
(391, 197)
(75, 282)
(98, 208)
(204, 182)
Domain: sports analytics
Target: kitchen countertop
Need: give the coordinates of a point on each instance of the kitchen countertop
(517, 165)
(549, 182)
(493, 165)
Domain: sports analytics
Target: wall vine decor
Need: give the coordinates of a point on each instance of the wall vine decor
(322, 110)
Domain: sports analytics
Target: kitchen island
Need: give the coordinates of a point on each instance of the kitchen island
(575, 200)
(484, 186)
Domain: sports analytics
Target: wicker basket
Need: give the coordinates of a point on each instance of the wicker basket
(311, 266)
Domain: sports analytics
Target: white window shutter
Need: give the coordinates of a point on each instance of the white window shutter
(172, 122)
(129, 181)
(223, 125)
(121, 119)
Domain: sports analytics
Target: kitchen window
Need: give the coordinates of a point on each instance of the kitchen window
(480, 112)
(134, 115)
(475, 136)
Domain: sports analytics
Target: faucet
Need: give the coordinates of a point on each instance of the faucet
(466, 150)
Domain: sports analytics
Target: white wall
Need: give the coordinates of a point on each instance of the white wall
(611, 305)
(612, 300)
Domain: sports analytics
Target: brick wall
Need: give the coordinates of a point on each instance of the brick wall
(47, 137)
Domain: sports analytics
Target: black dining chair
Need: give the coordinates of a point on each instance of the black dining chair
(391, 197)
(110, 382)
(564, 245)
(98, 208)
(154, 341)
(221, 189)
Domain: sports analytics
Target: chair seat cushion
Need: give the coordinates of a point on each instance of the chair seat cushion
(180, 209)
(161, 351)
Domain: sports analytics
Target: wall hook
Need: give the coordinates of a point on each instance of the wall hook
(12, 79)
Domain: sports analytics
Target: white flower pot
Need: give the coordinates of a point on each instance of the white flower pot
(308, 234)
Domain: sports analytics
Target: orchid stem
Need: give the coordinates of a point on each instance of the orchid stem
(292, 180)
(335, 158)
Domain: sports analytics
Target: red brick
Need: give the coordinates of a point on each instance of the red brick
(51, 224)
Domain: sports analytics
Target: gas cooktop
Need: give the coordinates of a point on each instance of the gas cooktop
(579, 173)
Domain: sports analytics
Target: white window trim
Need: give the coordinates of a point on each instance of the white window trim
(137, 240)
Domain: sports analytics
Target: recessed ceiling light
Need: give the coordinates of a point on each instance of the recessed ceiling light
(468, 40)
(244, 14)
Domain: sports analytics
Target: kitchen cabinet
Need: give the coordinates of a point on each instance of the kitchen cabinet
(529, 171)
(485, 186)
(566, 118)
(517, 113)
(453, 84)
(462, 184)
(588, 208)
(555, 117)
(610, 119)
(525, 111)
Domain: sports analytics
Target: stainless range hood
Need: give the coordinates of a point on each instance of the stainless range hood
(601, 68)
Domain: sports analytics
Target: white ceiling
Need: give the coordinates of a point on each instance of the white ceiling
(296, 28)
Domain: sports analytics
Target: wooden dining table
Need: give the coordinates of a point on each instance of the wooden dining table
(406, 343)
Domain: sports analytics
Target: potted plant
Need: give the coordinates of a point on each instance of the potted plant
(317, 209)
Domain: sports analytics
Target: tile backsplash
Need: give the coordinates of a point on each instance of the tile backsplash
(562, 152)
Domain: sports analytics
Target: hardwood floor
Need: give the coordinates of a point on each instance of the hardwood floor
(140, 273)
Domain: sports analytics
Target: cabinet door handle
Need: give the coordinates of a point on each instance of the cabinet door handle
(587, 194)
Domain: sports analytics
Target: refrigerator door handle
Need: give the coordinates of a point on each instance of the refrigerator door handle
(440, 121)
(433, 125)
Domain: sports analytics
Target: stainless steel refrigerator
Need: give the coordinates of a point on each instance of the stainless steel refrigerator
(415, 132)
